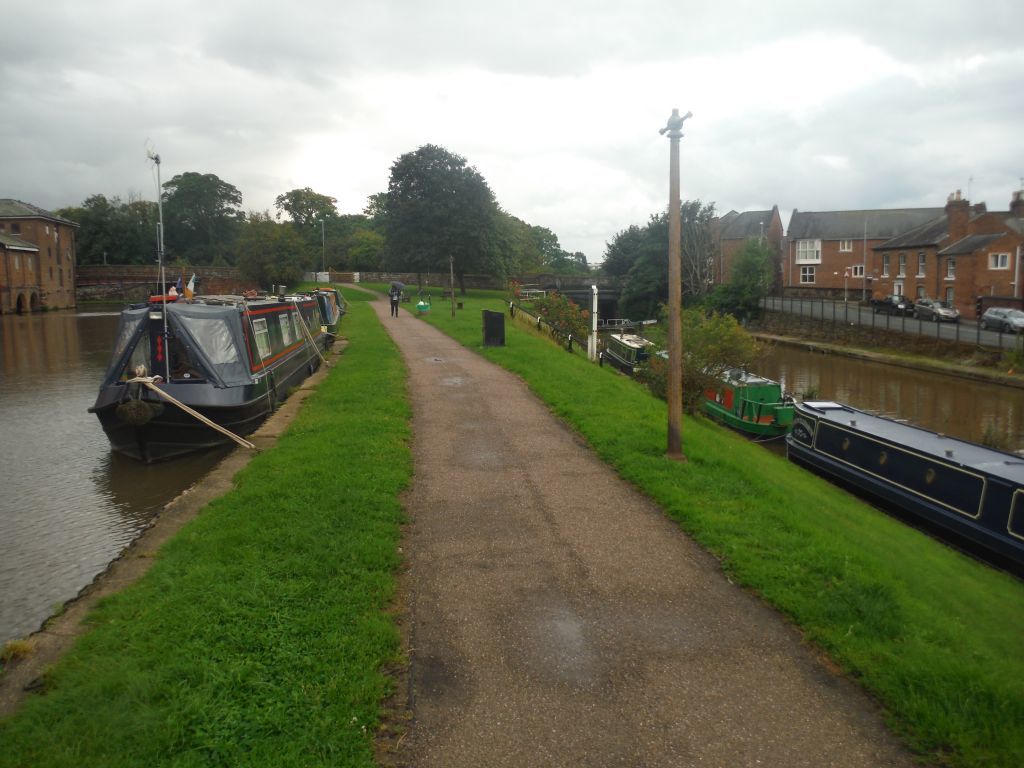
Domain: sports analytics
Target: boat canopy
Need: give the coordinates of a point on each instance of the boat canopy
(213, 335)
(129, 328)
(215, 339)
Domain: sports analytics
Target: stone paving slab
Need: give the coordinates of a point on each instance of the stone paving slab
(555, 617)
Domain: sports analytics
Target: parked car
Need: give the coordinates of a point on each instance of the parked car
(1003, 319)
(893, 305)
(937, 310)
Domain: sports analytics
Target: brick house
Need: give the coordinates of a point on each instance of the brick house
(37, 258)
(966, 253)
(831, 253)
(733, 229)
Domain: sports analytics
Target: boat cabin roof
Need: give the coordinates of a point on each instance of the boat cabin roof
(631, 340)
(739, 376)
(924, 441)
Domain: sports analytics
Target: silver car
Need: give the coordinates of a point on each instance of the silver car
(937, 310)
(1003, 319)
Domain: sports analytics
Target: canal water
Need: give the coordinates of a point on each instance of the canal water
(958, 407)
(68, 506)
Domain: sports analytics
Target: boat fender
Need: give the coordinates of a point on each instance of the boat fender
(135, 412)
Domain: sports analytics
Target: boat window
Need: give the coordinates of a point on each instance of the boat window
(259, 326)
(287, 335)
(129, 327)
(295, 321)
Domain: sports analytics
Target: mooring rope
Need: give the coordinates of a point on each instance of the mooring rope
(309, 334)
(149, 382)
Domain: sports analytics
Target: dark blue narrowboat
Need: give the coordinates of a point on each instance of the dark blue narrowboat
(975, 492)
(230, 359)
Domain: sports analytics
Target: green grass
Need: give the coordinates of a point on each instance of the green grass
(936, 637)
(260, 634)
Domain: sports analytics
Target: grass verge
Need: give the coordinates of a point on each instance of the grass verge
(259, 636)
(935, 636)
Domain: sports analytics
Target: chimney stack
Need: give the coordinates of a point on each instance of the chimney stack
(958, 213)
(1017, 205)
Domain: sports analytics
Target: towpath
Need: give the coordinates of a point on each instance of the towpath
(555, 617)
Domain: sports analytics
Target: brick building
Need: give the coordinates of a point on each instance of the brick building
(37, 258)
(965, 253)
(832, 253)
(733, 229)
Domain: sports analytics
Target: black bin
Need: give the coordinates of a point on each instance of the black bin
(494, 329)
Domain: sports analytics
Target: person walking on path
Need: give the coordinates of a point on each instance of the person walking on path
(553, 616)
(395, 294)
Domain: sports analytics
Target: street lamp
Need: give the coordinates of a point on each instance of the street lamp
(675, 291)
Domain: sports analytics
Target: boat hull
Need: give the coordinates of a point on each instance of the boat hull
(750, 404)
(969, 491)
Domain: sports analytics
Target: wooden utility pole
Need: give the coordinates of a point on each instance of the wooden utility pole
(675, 292)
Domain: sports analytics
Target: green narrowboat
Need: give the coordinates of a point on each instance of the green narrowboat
(750, 404)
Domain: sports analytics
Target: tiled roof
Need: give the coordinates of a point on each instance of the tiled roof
(10, 241)
(854, 225)
(929, 233)
(740, 226)
(15, 209)
(969, 244)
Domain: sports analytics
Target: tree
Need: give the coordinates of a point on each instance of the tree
(306, 207)
(203, 217)
(641, 256)
(438, 207)
(113, 231)
(269, 253)
(750, 280)
(712, 344)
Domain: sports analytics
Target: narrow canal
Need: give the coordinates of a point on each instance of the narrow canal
(958, 407)
(67, 504)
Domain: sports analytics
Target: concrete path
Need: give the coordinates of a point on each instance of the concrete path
(555, 617)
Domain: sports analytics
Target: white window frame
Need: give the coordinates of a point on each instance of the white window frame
(287, 336)
(262, 334)
(922, 263)
(949, 295)
(897, 288)
(807, 275)
(902, 266)
(846, 246)
(951, 268)
(885, 264)
(999, 261)
(857, 270)
(808, 251)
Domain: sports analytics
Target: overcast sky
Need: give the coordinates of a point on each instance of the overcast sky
(558, 103)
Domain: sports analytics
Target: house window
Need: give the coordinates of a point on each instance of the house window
(846, 246)
(903, 266)
(897, 288)
(17, 261)
(885, 265)
(922, 262)
(857, 270)
(920, 291)
(808, 252)
(47, 229)
(999, 261)
(951, 268)
(949, 296)
(15, 228)
(60, 274)
(806, 274)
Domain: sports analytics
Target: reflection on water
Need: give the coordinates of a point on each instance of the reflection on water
(67, 504)
(958, 407)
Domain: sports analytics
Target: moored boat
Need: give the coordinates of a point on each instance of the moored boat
(332, 308)
(229, 359)
(627, 351)
(973, 491)
(749, 403)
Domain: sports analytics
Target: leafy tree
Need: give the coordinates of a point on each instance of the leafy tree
(641, 256)
(438, 207)
(114, 231)
(306, 207)
(750, 280)
(203, 217)
(712, 344)
(269, 253)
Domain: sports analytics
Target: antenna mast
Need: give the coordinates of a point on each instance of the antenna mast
(160, 257)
